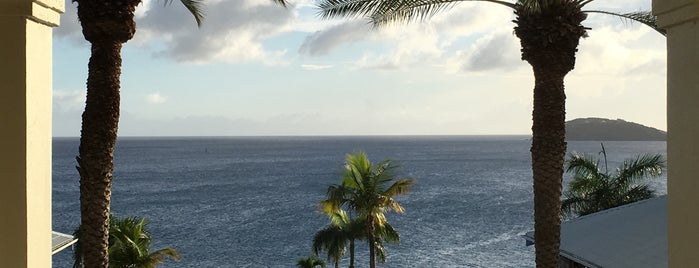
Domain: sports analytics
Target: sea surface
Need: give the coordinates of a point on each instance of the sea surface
(251, 201)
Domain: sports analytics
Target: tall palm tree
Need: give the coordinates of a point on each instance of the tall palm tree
(129, 245)
(365, 190)
(549, 32)
(593, 190)
(310, 262)
(106, 24)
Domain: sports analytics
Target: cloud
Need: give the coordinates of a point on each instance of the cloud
(403, 46)
(232, 31)
(323, 41)
(313, 67)
(626, 52)
(67, 108)
(155, 98)
(69, 99)
(496, 51)
(431, 43)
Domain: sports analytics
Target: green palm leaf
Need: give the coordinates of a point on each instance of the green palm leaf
(129, 245)
(591, 191)
(647, 165)
(365, 191)
(645, 17)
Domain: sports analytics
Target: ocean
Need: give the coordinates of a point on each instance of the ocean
(251, 201)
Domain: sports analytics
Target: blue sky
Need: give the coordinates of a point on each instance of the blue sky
(254, 68)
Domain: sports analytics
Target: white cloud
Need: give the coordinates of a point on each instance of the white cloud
(314, 67)
(494, 51)
(156, 98)
(323, 41)
(232, 31)
(69, 99)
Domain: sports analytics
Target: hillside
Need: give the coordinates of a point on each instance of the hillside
(602, 129)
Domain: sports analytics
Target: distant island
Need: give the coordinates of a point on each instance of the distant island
(601, 129)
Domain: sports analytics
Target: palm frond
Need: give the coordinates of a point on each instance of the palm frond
(582, 165)
(537, 6)
(339, 218)
(633, 170)
(158, 256)
(333, 240)
(645, 17)
(591, 190)
(400, 187)
(194, 7)
(280, 2)
(588, 184)
(638, 193)
(386, 11)
(387, 233)
(572, 203)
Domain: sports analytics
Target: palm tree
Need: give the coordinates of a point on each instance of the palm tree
(342, 231)
(129, 245)
(334, 238)
(310, 262)
(549, 32)
(106, 24)
(592, 190)
(364, 190)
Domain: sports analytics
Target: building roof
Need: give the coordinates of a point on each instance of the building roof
(633, 235)
(60, 241)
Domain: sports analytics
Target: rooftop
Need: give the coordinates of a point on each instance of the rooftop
(633, 235)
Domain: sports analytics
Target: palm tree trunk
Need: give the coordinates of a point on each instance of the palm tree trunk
(370, 239)
(97, 140)
(106, 25)
(549, 40)
(548, 154)
(351, 253)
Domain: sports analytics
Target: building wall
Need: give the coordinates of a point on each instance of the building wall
(680, 19)
(25, 134)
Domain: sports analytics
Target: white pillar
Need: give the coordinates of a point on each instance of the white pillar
(680, 19)
(25, 131)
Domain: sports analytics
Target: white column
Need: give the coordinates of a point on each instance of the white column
(680, 19)
(25, 131)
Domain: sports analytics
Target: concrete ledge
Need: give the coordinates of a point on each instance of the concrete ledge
(46, 12)
(674, 12)
(48, 16)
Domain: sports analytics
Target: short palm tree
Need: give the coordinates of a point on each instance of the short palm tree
(365, 190)
(592, 190)
(334, 238)
(129, 245)
(310, 262)
(549, 33)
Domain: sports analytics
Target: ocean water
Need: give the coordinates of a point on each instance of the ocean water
(251, 201)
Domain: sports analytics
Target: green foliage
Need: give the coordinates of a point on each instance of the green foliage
(129, 245)
(310, 262)
(194, 7)
(366, 190)
(592, 190)
(382, 12)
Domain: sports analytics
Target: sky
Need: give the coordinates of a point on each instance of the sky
(255, 68)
